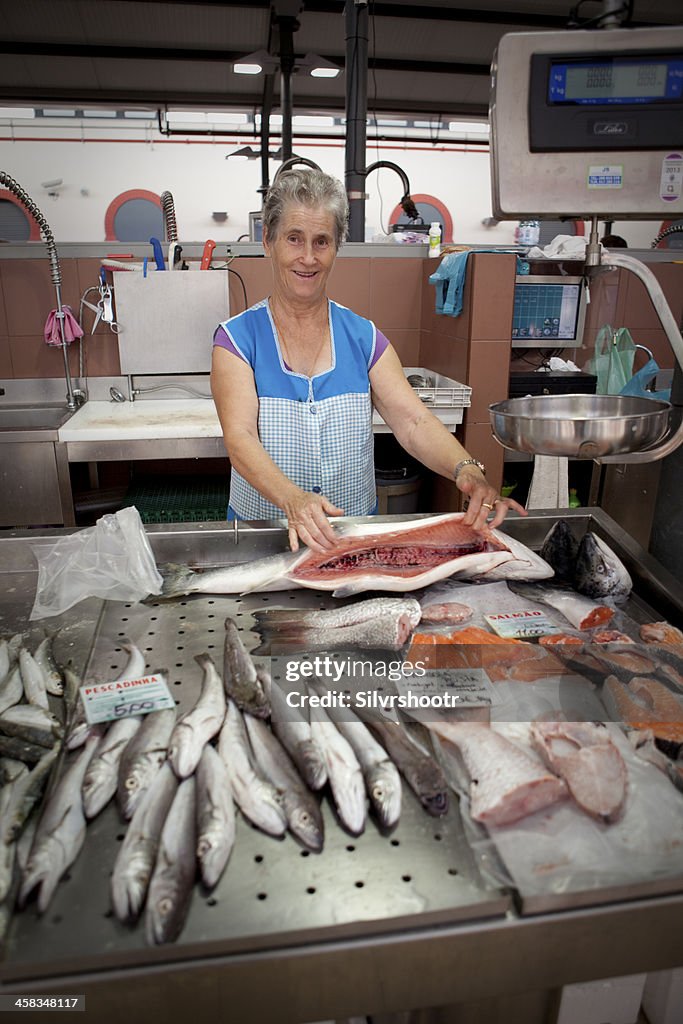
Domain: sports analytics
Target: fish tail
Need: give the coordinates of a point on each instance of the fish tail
(177, 580)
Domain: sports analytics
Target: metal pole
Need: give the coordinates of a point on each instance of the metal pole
(266, 107)
(356, 18)
(287, 26)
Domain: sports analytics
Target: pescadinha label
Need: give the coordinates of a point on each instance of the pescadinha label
(105, 702)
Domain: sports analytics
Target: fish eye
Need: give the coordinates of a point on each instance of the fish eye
(165, 905)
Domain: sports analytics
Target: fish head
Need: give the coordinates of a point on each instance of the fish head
(384, 789)
(307, 827)
(598, 572)
(432, 788)
(312, 764)
(165, 915)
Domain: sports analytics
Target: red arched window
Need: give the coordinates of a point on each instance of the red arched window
(134, 216)
(28, 227)
(430, 208)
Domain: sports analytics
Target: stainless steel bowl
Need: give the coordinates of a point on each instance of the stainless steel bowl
(579, 426)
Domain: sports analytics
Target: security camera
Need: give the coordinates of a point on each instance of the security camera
(54, 183)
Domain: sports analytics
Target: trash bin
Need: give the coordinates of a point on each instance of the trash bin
(397, 491)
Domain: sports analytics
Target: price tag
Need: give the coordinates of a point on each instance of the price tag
(522, 625)
(105, 702)
(446, 688)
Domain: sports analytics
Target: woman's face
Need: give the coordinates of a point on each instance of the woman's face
(303, 253)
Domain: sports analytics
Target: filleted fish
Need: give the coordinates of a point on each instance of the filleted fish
(243, 682)
(380, 556)
(343, 771)
(142, 758)
(215, 816)
(257, 798)
(138, 853)
(194, 730)
(170, 888)
(301, 807)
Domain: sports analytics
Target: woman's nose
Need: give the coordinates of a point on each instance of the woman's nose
(308, 254)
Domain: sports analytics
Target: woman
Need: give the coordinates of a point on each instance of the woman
(295, 379)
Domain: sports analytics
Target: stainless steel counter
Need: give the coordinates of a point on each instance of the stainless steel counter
(373, 924)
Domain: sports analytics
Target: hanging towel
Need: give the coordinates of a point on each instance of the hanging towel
(449, 279)
(549, 484)
(72, 328)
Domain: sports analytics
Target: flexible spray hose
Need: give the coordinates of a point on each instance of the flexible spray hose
(672, 230)
(170, 226)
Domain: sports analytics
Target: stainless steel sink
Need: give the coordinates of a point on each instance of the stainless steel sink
(23, 419)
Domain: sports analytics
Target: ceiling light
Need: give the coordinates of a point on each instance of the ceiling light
(255, 63)
(17, 112)
(475, 127)
(317, 66)
(244, 153)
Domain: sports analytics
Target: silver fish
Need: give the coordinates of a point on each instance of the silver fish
(33, 679)
(170, 888)
(580, 611)
(5, 660)
(198, 726)
(280, 620)
(101, 778)
(258, 800)
(45, 661)
(215, 816)
(380, 556)
(11, 689)
(294, 732)
(60, 833)
(10, 770)
(77, 726)
(20, 749)
(240, 676)
(382, 779)
(387, 632)
(136, 858)
(32, 723)
(8, 856)
(26, 792)
(343, 771)
(599, 572)
(301, 807)
(421, 772)
(142, 758)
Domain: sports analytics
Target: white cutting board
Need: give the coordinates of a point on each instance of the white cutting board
(131, 421)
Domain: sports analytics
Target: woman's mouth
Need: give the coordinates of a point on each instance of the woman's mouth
(306, 274)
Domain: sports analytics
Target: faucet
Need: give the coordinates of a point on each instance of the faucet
(73, 396)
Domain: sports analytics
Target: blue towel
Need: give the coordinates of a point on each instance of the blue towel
(449, 279)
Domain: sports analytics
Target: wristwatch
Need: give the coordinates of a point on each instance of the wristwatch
(468, 462)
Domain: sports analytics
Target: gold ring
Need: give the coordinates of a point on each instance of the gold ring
(485, 504)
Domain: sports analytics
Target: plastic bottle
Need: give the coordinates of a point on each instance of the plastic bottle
(534, 232)
(435, 238)
(574, 498)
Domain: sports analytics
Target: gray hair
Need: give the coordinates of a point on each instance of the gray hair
(309, 188)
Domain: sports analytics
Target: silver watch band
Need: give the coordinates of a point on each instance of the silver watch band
(468, 462)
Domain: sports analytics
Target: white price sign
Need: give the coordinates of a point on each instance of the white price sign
(105, 702)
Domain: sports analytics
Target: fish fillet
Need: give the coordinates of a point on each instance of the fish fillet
(645, 704)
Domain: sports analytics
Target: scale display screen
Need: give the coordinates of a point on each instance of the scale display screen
(546, 313)
(616, 80)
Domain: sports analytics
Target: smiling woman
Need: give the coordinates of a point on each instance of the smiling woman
(295, 379)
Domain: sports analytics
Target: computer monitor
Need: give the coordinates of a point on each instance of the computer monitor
(256, 227)
(549, 312)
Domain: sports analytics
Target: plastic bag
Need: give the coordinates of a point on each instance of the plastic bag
(637, 386)
(612, 362)
(111, 560)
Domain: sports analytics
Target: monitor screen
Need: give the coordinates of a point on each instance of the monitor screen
(546, 313)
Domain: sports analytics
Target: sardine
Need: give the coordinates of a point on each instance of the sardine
(599, 572)
(506, 783)
(136, 858)
(388, 632)
(11, 689)
(170, 888)
(583, 754)
(379, 556)
(32, 723)
(215, 816)
(301, 807)
(281, 620)
(240, 676)
(45, 661)
(26, 792)
(343, 772)
(559, 549)
(294, 732)
(198, 726)
(33, 679)
(142, 758)
(257, 798)
(580, 611)
(421, 772)
(60, 833)
(101, 778)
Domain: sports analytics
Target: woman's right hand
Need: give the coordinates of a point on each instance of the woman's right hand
(307, 521)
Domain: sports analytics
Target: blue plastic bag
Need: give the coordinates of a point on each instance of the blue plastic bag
(637, 385)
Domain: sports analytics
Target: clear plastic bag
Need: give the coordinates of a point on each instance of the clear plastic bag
(612, 362)
(112, 560)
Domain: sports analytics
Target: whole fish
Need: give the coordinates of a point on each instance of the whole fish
(343, 772)
(257, 798)
(101, 778)
(45, 661)
(20, 749)
(293, 730)
(170, 888)
(32, 723)
(301, 807)
(285, 620)
(7, 846)
(5, 660)
(10, 770)
(580, 611)
(559, 549)
(11, 689)
(506, 783)
(387, 632)
(142, 758)
(26, 792)
(380, 556)
(198, 726)
(598, 571)
(138, 853)
(583, 754)
(382, 779)
(215, 816)
(33, 679)
(240, 675)
(60, 833)
(421, 772)
(78, 729)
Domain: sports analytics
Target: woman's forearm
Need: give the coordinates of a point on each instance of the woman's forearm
(250, 459)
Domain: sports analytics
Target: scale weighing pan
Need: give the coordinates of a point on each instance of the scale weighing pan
(579, 426)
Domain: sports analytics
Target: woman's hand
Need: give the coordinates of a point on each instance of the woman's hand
(307, 521)
(483, 500)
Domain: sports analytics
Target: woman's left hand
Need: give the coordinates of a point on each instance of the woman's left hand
(484, 501)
